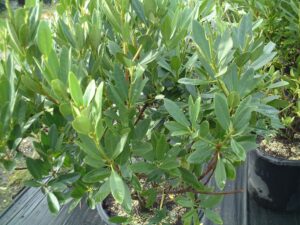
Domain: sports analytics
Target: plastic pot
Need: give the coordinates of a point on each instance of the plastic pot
(103, 215)
(274, 183)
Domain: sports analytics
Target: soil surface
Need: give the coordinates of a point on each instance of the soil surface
(143, 217)
(281, 148)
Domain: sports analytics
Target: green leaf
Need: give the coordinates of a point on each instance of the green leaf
(53, 203)
(117, 187)
(14, 38)
(194, 82)
(213, 216)
(238, 150)
(137, 85)
(37, 167)
(89, 147)
(103, 192)
(169, 164)
(199, 36)
(65, 62)
(194, 110)
(220, 174)
(184, 202)
(242, 115)
(75, 89)
(31, 3)
(119, 219)
(99, 97)
(89, 93)
(189, 178)
(82, 124)
(59, 89)
(210, 201)
(225, 45)
(160, 145)
(141, 129)
(68, 178)
(44, 38)
(230, 170)
(142, 167)
(96, 175)
(9, 165)
(278, 84)
(127, 202)
(112, 15)
(263, 60)
(93, 162)
(222, 111)
(200, 156)
(143, 149)
(139, 10)
(176, 128)
(121, 144)
(174, 110)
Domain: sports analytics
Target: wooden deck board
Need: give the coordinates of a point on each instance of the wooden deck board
(30, 208)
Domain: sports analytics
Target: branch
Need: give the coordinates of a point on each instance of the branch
(205, 192)
(211, 166)
(139, 117)
(21, 168)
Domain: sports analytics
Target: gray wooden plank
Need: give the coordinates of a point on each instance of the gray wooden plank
(83, 215)
(233, 209)
(27, 209)
(18, 205)
(35, 212)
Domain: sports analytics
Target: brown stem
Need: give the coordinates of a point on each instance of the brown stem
(211, 166)
(21, 168)
(140, 115)
(205, 192)
(210, 176)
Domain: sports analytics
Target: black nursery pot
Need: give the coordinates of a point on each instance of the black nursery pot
(103, 215)
(274, 183)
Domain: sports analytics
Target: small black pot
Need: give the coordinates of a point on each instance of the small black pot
(274, 182)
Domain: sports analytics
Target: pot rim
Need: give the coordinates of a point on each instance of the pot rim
(105, 217)
(103, 214)
(277, 160)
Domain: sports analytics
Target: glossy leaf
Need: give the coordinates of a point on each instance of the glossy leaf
(238, 150)
(75, 89)
(44, 38)
(117, 187)
(53, 203)
(200, 38)
(82, 124)
(175, 111)
(220, 174)
(195, 82)
(103, 192)
(89, 93)
(222, 111)
(213, 216)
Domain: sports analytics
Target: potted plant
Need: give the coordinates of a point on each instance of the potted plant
(141, 102)
(276, 161)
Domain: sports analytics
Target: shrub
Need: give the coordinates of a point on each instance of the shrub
(132, 92)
